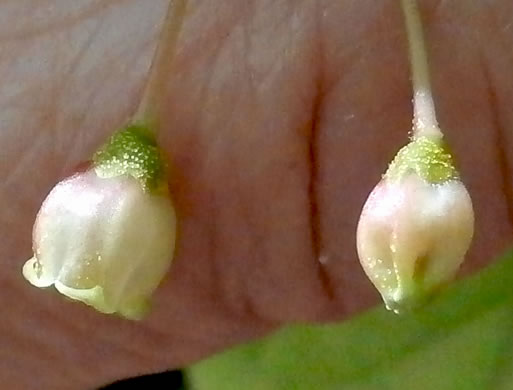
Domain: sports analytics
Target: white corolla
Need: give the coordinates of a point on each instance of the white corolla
(105, 237)
(416, 225)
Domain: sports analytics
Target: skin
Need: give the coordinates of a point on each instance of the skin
(279, 118)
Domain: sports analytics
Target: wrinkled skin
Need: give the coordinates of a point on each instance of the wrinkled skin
(279, 118)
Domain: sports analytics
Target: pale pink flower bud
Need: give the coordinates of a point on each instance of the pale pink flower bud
(416, 225)
(105, 237)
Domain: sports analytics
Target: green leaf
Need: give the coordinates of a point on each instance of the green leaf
(461, 340)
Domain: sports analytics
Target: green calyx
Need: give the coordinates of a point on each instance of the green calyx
(132, 151)
(425, 156)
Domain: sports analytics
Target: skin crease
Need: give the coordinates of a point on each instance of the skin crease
(279, 118)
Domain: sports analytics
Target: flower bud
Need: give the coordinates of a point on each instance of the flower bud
(106, 236)
(416, 225)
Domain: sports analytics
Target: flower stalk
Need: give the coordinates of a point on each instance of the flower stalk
(161, 65)
(425, 123)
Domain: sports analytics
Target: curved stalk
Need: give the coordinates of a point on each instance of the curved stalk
(424, 115)
(160, 67)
